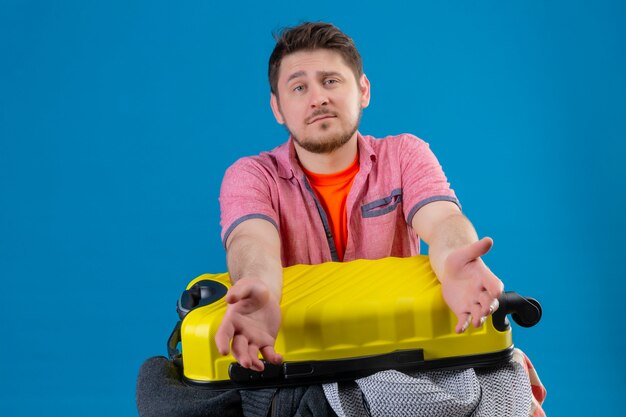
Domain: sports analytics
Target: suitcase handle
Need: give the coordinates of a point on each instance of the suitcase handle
(172, 343)
(525, 311)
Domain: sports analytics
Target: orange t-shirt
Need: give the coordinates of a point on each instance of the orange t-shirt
(332, 192)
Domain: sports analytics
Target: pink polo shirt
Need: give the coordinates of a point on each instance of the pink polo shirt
(397, 176)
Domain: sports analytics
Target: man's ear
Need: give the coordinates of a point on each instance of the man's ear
(276, 109)
(364, 85)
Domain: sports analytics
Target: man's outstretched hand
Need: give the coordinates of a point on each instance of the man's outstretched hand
(469, 287)
(251, 321)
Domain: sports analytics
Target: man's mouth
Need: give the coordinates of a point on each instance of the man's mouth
(320, 117)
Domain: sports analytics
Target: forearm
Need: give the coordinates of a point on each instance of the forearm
(248, 256)
(468, 286)
(451, 232)
(253, 316)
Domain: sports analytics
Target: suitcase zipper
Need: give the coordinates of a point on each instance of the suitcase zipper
(273, 407)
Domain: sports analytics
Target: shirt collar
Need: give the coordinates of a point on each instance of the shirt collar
(288, 165)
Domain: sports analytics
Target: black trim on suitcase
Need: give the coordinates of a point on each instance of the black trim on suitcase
(319, 372)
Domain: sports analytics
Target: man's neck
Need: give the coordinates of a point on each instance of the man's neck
(328, 163)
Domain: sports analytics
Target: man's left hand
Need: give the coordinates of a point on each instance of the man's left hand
(469, 287)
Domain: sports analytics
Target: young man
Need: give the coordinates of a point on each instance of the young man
(331, 194)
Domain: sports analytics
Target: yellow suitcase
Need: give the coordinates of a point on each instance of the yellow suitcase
(345, 321)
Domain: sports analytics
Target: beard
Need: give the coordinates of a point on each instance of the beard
(325, 144)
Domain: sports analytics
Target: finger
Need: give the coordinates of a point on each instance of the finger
(223, 336)
(460, 257)
(463, 323)
(239, 291)
(478, 249)
(270, 355)
(255, 362)
(240, 350)
(476, 315)
(485, 301)
(494, 306)
(493, 285)
(249, 295)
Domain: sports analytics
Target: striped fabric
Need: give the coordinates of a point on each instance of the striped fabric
(512, 389)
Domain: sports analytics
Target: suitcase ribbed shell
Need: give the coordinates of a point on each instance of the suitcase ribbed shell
(347, 310)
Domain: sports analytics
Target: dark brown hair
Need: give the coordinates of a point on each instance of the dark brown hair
(309, 36)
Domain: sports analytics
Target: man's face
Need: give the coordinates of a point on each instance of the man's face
(319, 99)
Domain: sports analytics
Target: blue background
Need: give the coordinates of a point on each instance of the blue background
(118, 119)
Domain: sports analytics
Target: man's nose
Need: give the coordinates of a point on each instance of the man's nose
(318, 97)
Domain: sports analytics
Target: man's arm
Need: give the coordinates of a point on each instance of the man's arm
(252, 316)
(469, 287)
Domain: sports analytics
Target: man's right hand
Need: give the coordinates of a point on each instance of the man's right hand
(251, 321)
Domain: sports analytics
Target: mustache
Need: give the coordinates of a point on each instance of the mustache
(319, 112)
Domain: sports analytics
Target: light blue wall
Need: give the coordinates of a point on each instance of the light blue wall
(118, 119)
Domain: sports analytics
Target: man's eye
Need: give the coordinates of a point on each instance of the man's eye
(330, 82)
(298, 88)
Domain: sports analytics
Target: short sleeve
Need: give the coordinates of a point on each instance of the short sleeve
(245, 194)
(423, 179)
